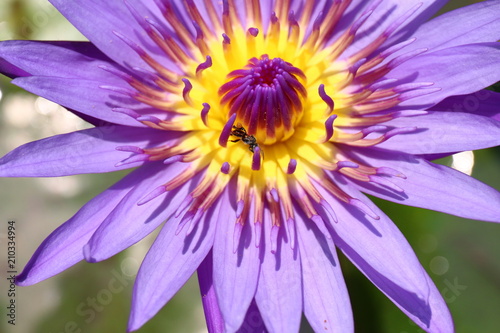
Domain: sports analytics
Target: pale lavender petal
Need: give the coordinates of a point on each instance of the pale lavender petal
(479, 22)
(379, 242)
(482, 102)
(63, 247)
(446, 67)
(213, 316)
(431, 186)
(235, 274)
(382, 253)
(84, 96)
(59, 59)
(130, 222)
(326, 300)
(279, 293)
(87, 151)
(170, 262)
(111, 17)
(444, 132)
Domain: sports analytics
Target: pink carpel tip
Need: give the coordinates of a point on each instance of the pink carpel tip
(274, 18)
(204, 113)
(187, 89)
(329, 128)
(204, 65)
(327, 99)
(226, 131)
(253, 32)
(292, 166)
(256, 159)
(225, 168)
(152, 195)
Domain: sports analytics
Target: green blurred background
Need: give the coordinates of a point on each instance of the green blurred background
(455, 252)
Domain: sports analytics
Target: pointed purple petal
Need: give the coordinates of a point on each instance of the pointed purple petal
(60, 59)
(87, 151)
(84, 96)
(326, 301)
(382, 253)
(213, 316)
(378, 242)
(432, 186)
(129, 222)
(253, 322)
(383, 16)
(98, 20)
(479, 22)
(235, 274)
(444, 132)
(170, 262)
(446, 67)
(63, 247)
(279, 293)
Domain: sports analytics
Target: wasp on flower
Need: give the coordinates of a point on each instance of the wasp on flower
(241, 133)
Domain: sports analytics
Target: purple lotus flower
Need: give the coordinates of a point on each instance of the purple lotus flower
(254, 127)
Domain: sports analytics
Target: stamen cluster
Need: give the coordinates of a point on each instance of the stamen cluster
(267, 98)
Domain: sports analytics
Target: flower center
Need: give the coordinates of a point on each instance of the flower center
(267, 97)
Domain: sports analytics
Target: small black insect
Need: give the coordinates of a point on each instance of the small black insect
(240, 132)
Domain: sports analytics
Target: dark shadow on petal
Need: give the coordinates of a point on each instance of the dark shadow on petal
(246, 240)
(206, 220)
(253, 322)
(283, 245)
(321, 238)
(403, 298)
